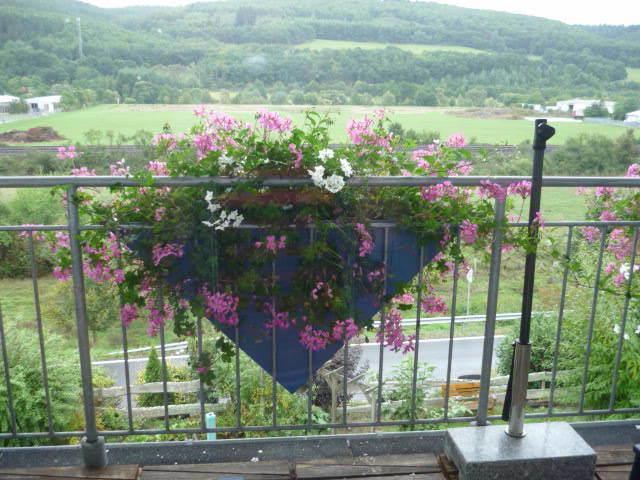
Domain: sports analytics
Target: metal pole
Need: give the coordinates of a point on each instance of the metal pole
(492, 307)
(93, 446)
(516, 395)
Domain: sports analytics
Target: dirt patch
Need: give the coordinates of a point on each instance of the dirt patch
(36, 134)
(490, 113)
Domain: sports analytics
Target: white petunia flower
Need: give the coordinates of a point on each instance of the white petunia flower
(616, 329)
(334, 183)
(325, 154)
(317, 176)
(209, 196)
(346, 167)
(626, 336)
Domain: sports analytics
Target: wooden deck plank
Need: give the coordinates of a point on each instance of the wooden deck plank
(113, 472)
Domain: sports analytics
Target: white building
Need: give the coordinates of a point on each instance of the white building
(577, 106)
(632, 118)
(49, 104)
(6, 101)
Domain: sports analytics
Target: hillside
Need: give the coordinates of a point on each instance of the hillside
(302, 51)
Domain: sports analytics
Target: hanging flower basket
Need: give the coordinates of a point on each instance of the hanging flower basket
(284, 270)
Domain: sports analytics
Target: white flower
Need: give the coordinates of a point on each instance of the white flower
(334, 183)
(616, 329)
(626, 336)
(625, 269)
(225, 160)
(317, 176)
(209, 196)
(346, 167)
(637, 330)
(325, 154)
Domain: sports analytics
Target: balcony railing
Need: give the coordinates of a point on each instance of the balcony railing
(92, 433)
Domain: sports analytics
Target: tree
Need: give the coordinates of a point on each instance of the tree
(425, 97)
(625, 106)
(596, 110)
(152, 373)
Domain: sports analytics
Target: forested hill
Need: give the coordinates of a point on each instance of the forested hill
(303, 51)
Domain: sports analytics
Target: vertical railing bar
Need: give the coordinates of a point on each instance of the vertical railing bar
(592, 320)
(492, 306)
(163, 354)
(237, 375)
(310, 358)
(345, 360)
(385, 260)
(274, 345)
(452, 327)
(556, 348)
(125, 348)
(623, 325)
(203, 423)
(7, 376)
(84, 348)
(416, 351)
(43, 356)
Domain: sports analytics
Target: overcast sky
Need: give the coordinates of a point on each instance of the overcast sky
(570, 11)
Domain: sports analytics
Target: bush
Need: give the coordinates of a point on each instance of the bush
(152, 373)
(543, 337)
(28, 391)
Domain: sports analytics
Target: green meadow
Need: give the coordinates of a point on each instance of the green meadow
(633, 74)
(409, 47)
(128, 119)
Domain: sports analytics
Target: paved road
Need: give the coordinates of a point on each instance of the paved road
(467, 358)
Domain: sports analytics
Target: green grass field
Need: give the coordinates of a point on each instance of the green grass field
(633, 74)
(127, 119)
(409, 47)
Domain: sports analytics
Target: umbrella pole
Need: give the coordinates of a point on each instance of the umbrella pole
(516, 396)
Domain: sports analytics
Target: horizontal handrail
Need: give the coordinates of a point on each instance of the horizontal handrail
(381, 181)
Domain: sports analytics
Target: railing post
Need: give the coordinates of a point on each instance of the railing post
(93, 446)
(492, 307)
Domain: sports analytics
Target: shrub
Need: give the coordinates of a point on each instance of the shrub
(28, 391)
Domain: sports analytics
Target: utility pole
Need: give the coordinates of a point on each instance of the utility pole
(80, 53)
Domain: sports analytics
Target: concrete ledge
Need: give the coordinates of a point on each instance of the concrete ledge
(549, 451)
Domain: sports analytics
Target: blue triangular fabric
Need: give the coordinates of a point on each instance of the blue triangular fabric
(291, 358)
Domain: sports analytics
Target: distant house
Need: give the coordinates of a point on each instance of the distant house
(6, 101)
(632, 118)
(48, 104)
(577, 106)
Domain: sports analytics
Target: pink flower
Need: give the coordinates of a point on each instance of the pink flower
(433, 193)
(604, 191)
(434, 304)
(128, 313)
(468, 232)
(167, 250)
(539, 220)
(67, 152)
(344, 330)
(61, 274)
(633, 170)
(456, 140)
(165, 140)
(610, 268)
(159, 213)
(119, 169)
(591, 234)
(365, 240)
(158, 168)
(522, 189)
(489, 189)
(619, 244)
(394, 337)
(608, 216)
(221, 307)
(404, 299)
(314, 339)
(297, 153)
(202, 370)
(273, 122)
(83, 172)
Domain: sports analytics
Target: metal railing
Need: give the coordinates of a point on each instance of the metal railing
(93, 443)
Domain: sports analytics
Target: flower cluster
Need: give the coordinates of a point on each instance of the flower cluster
(216, 254)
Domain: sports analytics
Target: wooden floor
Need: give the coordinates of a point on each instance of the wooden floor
(614, 463)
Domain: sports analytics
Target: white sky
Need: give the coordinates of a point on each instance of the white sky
(591, 12)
